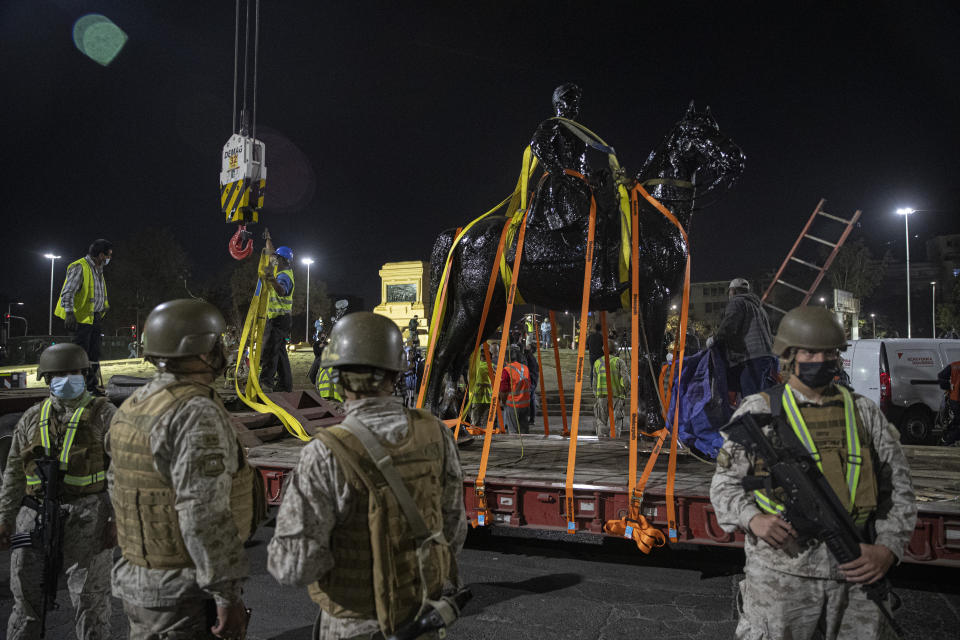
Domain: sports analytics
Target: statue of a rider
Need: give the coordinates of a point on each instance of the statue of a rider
(561, 202)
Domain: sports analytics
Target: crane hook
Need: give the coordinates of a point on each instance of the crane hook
(237, 249)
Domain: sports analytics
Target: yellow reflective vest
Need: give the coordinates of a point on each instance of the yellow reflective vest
(831, 435)
(278, 305)
(326, 387)
(83, 298)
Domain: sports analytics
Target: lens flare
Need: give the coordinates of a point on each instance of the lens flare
(98, 38)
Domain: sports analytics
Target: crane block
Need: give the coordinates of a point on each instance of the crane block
(243, 178)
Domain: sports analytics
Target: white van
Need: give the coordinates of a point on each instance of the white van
(900, 375)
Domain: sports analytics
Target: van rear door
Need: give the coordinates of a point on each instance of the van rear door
(914, 374)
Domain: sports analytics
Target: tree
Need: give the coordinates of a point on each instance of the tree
(150, 267)
(854, 269)
(948, 310)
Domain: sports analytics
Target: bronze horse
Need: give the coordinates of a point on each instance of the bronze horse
(694, 160)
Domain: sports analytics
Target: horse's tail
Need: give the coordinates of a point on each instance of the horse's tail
(438, 261)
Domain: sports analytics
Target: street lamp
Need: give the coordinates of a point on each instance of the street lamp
(933, 307)
(873, 319)
(823, 301)
(905, 212)
(52, 258)
(306, 335)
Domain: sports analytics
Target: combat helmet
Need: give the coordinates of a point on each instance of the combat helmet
(181, 328)
(59, 358)
(809, 328)
(365, 339)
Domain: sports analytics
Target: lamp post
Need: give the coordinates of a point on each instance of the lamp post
(823, 301)
(905, 212)
(873, 320)
(52, 258)
(306, 335)
(933, 307)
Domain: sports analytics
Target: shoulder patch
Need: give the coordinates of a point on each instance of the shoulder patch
(723, 459)
(212, 464)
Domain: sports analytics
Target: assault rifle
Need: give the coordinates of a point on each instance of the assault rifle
(439, 614)
(811, 505)
(47, 535)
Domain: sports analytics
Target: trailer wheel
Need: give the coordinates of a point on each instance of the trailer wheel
(916, 426)
(7, 424)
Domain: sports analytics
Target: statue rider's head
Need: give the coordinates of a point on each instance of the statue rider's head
(566, 100)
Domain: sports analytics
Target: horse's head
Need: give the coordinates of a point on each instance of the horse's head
(696, 151)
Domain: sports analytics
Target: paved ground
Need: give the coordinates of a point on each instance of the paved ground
(544, 588)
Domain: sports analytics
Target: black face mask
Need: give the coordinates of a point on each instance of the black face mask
(817, 374)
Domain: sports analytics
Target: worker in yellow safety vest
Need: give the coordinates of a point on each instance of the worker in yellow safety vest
(482, 393)
(275, 372)
(793, 585)
(326, 387)
(83, 303)
(620, 387)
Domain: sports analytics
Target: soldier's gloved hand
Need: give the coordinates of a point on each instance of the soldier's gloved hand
(70, 321)
(773, 530)
(711, 341)
(874, 562)
(4, 537)
(231, 621)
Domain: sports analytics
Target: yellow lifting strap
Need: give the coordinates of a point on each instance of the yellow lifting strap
(252, 395)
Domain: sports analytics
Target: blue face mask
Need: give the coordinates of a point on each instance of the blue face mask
(67, 387)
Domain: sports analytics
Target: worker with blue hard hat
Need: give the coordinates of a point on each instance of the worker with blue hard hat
(275, 372)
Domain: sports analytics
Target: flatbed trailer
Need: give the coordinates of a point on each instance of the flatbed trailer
(526, 478)
(525, 481)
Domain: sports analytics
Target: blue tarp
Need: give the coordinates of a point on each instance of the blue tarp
(704, 407)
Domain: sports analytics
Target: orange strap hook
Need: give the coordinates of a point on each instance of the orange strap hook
(237, 249)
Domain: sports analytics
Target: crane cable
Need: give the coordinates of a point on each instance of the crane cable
(240, 244)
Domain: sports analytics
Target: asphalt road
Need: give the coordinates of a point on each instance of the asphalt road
(578, 589)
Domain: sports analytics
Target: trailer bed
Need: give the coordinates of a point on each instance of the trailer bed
(526, 478)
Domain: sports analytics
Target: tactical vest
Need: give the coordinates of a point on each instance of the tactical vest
(600, 378)
(81, 453)
(519, 396)
(278, 305)
(148, 528)
(376, 573)
(326, 386)
(834, 436)
(83, 297)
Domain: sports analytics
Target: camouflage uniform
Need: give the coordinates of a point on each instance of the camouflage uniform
(176, 603)
(787, 593)
(317, 496)
(86, 563)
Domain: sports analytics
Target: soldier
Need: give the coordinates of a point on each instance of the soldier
(790, 586)
(74, 416)
(181, 486)
(340, 529)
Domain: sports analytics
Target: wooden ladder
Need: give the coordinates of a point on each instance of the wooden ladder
(807, 240)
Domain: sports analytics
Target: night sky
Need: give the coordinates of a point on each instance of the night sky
(385, 124)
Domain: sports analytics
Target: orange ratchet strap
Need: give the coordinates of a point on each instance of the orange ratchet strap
(482, 510)
(578, 384)
(678, 362)
(556, 358)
